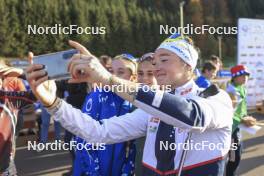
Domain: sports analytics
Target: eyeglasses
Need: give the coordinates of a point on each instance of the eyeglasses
(146, 57)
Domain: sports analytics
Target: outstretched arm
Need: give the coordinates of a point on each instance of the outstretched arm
(196, 113)
(114, 130)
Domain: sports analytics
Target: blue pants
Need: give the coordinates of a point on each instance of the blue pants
(45, 122)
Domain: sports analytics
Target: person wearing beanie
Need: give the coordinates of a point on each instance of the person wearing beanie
(237, 91)
(180, 122)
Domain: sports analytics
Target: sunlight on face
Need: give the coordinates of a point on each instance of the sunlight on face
(146, 73)
(170, 69)
(120, 68)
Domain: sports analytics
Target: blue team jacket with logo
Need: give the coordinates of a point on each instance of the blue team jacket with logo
(116, 159)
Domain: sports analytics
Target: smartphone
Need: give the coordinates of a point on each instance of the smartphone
(56, 63)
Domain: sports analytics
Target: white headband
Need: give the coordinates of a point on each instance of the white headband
(182, 48)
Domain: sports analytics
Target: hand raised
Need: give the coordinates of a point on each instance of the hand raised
(37, 77)
(85, 67)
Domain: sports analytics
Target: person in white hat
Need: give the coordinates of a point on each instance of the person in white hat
(167, 119)
(6, 70)
(9, 78)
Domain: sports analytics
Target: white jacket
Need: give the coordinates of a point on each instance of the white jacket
(212, 137)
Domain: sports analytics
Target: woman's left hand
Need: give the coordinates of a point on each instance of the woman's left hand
(85, 67)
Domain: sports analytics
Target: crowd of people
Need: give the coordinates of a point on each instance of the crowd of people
(190, 113)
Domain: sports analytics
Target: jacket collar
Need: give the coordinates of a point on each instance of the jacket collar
(189, 88)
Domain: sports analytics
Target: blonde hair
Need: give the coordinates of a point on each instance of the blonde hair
(132, 66)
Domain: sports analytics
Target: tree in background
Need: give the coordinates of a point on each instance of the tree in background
(131, 25)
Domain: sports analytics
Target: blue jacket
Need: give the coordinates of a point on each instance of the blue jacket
(116, 159)
(203, 82)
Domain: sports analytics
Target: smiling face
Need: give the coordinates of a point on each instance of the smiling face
(146, 73)
(122, 69)
(170, 69)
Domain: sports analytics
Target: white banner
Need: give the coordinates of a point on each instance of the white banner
(251, 54)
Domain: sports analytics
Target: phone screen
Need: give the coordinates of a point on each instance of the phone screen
(56, 63)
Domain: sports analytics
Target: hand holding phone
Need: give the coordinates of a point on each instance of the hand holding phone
(56, 63)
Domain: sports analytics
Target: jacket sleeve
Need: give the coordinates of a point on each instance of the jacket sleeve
(195, 113)
(114, 130)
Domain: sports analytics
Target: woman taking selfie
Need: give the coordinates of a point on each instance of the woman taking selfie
(169, 118)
